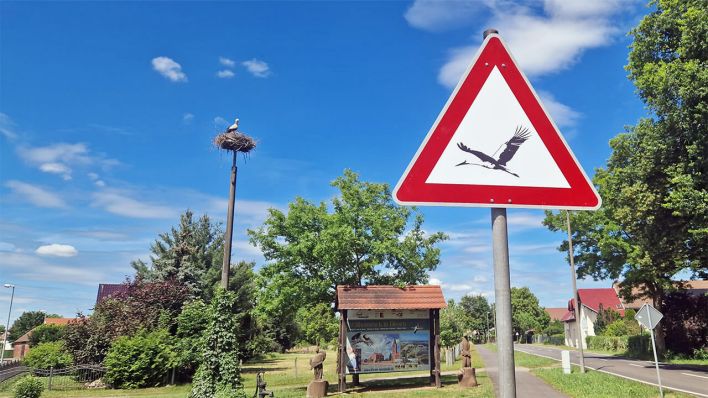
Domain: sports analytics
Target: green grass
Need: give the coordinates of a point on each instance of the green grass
(595, 384)
(288, 375)
(526, 360)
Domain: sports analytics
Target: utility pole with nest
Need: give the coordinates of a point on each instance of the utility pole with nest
(234, 141)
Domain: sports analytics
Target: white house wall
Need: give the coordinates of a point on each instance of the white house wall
(587, 323)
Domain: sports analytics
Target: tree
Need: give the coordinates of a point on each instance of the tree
(362, 237)
(191, 254)
(605, 317)
(526, 313)
(478, 313)
(653, 224)
(46, 334)
(317, 324)
(26, 322)
(453, 321)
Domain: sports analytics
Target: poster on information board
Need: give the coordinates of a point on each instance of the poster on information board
(388, 341)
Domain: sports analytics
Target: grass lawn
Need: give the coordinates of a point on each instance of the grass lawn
(288, 375)
(527, 360)
(595, 384)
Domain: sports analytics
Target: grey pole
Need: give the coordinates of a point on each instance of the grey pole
(502, 296)
(578, 310)
(229, 227)
(656, 359)
(7, 328)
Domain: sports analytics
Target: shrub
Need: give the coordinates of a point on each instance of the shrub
(219, 374)
(28, 387)
(608, 343)
(46, 334)
(140, 361)
(48, 355)
(616, 328)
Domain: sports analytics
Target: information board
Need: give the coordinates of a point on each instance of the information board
(388, 341)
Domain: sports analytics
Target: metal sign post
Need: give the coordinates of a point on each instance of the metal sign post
(502, 296)
(578, 314)
(644, 317)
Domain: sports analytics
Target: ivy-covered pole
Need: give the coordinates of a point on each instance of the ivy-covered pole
(233, 141)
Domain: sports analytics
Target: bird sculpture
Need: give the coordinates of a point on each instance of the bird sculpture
(520, 136)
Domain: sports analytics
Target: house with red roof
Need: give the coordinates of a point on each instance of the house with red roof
(590, 302)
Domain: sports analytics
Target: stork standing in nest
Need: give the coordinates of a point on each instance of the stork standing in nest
(520, 136)
(234, 141)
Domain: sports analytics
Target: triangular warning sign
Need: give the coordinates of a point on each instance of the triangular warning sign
(494, 145)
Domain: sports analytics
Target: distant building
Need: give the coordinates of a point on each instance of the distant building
(697, 287)
(556, 314)
(106, 290)
(590, 301)
(21, 347)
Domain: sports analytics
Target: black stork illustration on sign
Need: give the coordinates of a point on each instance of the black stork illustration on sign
(520, 136)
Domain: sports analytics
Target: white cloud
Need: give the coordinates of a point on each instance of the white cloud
(220, 122)
(57, 168)
(257, 68)
(187, 118)
(541, 44)
(525, 220)
(57, 250)
(116, 202)
(562, 114)
(168, 68)
(434, 281)
(225, 74)
(435, 15)
(229, 63)
(96, 180)
(59, 158)
(7, 127)
(35, 195)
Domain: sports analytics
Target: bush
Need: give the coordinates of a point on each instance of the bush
(608, 343)
(556, 339)
(28, 387)
(46, 334)
(143, 360)
(616, 329)
(48, 355)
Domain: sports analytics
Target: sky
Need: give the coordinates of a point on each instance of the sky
(108, 109)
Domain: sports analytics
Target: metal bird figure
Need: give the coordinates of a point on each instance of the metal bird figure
(520, 136)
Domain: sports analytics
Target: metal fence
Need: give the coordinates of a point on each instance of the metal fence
(71, 378)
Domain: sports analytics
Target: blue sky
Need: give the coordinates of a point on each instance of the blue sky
(108, 110)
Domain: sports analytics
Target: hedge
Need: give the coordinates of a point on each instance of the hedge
(633, 346)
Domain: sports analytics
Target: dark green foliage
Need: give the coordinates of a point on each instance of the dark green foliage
(48, 355)
(453, 324)
(632, 346)
(317, 324)
(686, 321)
(26, 322)
(88, 339)
(526, 313)
(605, 316)
(555, 327)
(478, 314)
(191, 324)
(46, 334)
(28, 387)
(191, 253)
(220, 370)
(143, 360)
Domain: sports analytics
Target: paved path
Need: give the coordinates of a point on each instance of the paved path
(527, 385)
(675, 377)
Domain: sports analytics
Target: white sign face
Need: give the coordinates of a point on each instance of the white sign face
(648, 316)
(497, 130)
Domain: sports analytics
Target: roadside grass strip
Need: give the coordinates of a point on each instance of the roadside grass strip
(522, 359)
(594, 384)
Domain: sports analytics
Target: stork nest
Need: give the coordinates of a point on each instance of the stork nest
(234, 141)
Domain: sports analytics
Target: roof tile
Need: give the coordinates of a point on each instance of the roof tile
(386, 297)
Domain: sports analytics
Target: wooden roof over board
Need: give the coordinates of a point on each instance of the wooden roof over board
(386, 297)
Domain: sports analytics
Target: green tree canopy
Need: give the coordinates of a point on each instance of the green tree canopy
(362, 237)
(478, 311)
(191, 253)
(26, 322)
(653, 224)
(46, 334)
(526, 313)
(453, 324)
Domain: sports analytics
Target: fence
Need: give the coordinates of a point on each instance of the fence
(556, 339)
(71, 378)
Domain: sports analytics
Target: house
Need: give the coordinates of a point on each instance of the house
(697, 288)
(590, 302)
(21, 347)
(556, 314)
(106, 290)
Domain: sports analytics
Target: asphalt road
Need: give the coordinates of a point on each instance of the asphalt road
(675, 377)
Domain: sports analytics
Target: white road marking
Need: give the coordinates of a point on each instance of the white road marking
(689, 374)
(634, 364)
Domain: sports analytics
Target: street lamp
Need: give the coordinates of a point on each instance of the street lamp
(7, 328)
